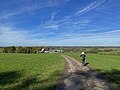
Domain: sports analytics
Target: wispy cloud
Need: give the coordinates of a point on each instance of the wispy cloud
(50, 29)
(30, 7)
(14, 36)
(49, 25)
(90, 7)
(53, 27)
(10, 35)
(53, 15)
(109, 38)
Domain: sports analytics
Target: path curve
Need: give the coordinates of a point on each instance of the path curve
(78, 77)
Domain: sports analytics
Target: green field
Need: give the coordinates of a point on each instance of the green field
(42, 71)
(108, 65)
(30, 71)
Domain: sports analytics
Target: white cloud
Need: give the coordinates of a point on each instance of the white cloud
(53, 26)
(90, 7)
(50, 24)
(53, 15)
(14, 36)
(28, 8)
(110, 38)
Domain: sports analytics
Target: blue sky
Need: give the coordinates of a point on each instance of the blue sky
(60, 22)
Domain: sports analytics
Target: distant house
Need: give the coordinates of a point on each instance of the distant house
(59, 50)
(50, 51)
(46, 52)
(42, 51)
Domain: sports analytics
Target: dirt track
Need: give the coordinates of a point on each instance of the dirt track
(78, 77)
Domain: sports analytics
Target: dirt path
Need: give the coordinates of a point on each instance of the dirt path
(78, 77)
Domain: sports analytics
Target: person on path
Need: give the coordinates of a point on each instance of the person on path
(83, 58)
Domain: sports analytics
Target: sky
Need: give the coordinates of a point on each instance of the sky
(59, 22)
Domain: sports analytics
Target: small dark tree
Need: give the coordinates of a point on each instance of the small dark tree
(5, 50)
(12, 49)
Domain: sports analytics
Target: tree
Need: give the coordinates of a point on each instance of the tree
(5, 50)
(12, 49)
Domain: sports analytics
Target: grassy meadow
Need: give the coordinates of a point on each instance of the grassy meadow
(108, 65)
(42, 71)
(30, 71)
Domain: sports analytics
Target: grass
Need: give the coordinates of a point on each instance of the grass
(42, 71)
(108, 65)
(117, 53)
(1, 50)
(30, 71)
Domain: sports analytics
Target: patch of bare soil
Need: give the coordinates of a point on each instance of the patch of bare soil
(79, 77)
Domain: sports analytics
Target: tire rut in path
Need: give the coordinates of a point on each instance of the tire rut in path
(78, 77)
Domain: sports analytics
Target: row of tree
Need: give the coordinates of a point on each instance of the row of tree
(90, 50)
(20, 49)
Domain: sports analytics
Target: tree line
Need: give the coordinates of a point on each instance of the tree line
(20, 49)
(37, 49)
